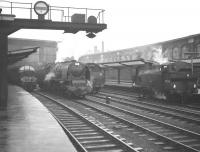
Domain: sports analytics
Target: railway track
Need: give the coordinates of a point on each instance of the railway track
(194, 107)
(187, 109)
(86, 135)
(186, 139)
(169, 138)
(187, 118)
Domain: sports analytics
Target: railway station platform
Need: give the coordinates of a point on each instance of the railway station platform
(27, 126)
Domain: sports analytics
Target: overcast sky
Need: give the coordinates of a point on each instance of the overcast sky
(130, 23)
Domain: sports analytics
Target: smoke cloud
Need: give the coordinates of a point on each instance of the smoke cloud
(49, 76)
(158, 56)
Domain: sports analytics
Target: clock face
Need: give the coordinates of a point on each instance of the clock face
(41, 8)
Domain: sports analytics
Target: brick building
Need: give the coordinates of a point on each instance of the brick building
(185, 48)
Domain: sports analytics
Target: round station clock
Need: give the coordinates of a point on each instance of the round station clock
(41, 8)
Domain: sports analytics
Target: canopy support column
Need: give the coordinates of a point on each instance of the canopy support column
(3, 71)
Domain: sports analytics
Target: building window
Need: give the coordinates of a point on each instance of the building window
(175, 53)
(184, 51)
(198, 50)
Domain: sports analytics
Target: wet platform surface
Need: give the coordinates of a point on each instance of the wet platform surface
(27, 126)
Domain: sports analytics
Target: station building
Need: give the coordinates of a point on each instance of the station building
(185, 48)
(46, 51)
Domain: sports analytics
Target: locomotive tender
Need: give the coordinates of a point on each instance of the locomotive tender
(70, 78)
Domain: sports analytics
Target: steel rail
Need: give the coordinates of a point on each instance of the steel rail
(122, 145)
(197, 136)
(152, 109)
(182, 110)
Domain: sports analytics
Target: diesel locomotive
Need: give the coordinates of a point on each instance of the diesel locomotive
(24, 76)
(70, 78)
(97, 77)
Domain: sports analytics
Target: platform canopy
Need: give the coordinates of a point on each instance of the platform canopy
(132, 63)
(17, 55)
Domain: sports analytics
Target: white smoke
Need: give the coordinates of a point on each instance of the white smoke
(158, 56)
(49, 76)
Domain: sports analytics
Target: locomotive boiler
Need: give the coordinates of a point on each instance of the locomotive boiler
(70, 78)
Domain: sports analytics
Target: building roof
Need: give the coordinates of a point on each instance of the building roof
(132, 63)
(17, 55)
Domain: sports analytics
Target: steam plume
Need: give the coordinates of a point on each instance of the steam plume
(49, 76)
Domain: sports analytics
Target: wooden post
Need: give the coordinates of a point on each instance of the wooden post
(3, 71)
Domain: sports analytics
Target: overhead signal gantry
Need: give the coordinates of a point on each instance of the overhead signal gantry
(17, 15)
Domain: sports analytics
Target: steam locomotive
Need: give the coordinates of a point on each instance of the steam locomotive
(97, 77)
(70, 78)
(177, 81)
(23, 76)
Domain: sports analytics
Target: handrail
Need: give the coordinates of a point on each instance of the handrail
(11, 7)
